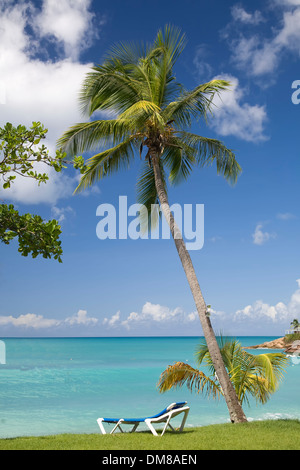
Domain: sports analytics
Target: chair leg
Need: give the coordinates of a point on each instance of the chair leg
(117, 426)
(148, 422)
(184, 420)
(166, 425)
(99, 421)
(134, 427)
(171, 427)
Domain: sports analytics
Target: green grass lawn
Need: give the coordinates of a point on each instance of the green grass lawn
(256, 435)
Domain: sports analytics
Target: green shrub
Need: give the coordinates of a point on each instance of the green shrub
(291, 338)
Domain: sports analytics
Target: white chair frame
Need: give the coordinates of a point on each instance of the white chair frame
(164, 418)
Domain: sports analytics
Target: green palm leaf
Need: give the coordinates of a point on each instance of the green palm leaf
(195, 103)
(172, 41)
(252, 375)
(108, 88)
(171, 44)
(213, 150)
(179, 158)
(142, 114)
(90, 135)
(272, 365)
(106, 163)
(181, 374)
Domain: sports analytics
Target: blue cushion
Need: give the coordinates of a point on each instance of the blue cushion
(139, 420)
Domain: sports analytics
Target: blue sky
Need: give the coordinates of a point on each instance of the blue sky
(248, 268)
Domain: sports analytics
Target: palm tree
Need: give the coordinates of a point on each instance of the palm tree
(252, 375)
(149, 108)
(295, 325)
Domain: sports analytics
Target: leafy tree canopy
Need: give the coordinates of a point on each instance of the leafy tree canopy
(19, 154)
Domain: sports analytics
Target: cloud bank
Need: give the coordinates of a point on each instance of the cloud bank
(41, 77)
(30, 322)
(273, 319)
(256, 318)
(233, 116)
(258, 52)
(153, 314)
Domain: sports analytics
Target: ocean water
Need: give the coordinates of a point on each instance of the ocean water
(62, 385)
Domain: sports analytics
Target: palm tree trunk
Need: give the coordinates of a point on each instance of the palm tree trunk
(235, 409)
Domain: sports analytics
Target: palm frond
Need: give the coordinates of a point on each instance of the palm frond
(108, 88)
(94, 134)
(107, 162)
(195, 103)
(139, 113)
(144, 73)
(272, 366)
(251, 375)
(170, 43)
(171, 40)
(213, 150)
(229, 349)
(179, 158)
(125, 53)
(181, 374)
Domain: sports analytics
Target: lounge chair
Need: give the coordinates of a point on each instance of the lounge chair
(164, 416)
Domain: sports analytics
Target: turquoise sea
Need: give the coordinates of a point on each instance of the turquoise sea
(62, 385)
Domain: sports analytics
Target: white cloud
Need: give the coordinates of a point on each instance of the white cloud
(81, 318)
(260, 310)
(42, 90)
(151, 314)
(233, 116)
(37, 322)
(286, 216)
(69, 21)
(288, 37)
(240, 14)
(258, 58)
(114, 320)
(288, 2)
(261, 55)
(27, 190)
(260, 237)
(60, 213)
(155, 317)
(191, 317)
(29, 320)
(278, 313)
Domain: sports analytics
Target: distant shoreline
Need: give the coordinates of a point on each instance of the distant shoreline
(275, 344)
